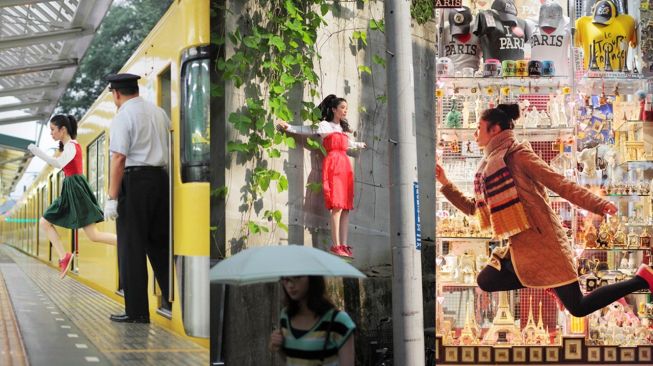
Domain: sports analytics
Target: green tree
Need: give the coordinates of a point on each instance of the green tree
(121, 32)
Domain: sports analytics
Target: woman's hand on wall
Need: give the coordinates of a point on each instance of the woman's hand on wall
(276, 341)
(440, 175)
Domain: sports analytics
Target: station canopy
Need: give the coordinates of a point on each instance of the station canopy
(41, 43)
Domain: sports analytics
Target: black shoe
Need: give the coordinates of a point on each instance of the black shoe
(124, 318)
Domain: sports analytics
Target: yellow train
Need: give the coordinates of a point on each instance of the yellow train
(174, 63)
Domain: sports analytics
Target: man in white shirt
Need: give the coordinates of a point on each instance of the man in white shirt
(138, 194)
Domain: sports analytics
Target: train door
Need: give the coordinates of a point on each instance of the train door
(165, 102)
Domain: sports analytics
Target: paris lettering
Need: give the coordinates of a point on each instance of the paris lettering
(461, 49)
(511, 43)
(547, 40)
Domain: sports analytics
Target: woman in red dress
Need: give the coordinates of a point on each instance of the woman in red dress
(337, 174)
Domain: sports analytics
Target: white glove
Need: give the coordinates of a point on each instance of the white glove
(31, 148)
(110, 209)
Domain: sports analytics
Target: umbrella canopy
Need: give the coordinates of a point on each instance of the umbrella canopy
(269, 263)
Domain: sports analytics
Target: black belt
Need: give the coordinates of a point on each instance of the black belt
(138, 168)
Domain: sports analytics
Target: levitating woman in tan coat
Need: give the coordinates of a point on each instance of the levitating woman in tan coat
(511, 198)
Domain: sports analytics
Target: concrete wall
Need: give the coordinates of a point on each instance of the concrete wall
(252, 311)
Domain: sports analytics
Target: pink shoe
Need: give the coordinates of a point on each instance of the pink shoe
(646, 272)
(64, 264)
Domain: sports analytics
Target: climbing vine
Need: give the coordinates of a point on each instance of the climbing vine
(272, 57)
(271, 60)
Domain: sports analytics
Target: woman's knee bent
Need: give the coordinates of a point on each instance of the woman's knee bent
(43, 223)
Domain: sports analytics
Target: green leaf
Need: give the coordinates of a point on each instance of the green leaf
(378, 60)
(290, 142)
(363, 68)
(274, 153)
(251, 42)
(382, 98)
(278, 43)
(324, 8)
(220, 192)
(377, 25)
(314, 187)
(287, 79)
(282, 226)
(233, 146)
(360, 36)
(282, 184)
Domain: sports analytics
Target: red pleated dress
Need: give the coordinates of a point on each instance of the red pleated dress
(337, 175)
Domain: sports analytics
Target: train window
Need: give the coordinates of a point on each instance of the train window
(95, 168)
(195, 101)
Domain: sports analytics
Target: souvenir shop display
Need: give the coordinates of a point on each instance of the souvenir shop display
(587, 110)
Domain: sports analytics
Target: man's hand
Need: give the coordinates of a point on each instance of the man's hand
(111, 209)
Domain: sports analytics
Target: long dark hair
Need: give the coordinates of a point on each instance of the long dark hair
(316, 299)
(503, 115)
(68, 121)
(327, 105)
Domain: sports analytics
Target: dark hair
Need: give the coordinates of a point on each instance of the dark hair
(127, 90)
(503, 115)
(327, 105)
(68, 121)
(316, 299)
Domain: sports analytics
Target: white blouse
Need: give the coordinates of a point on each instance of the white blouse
(324, 128)
(66, 156)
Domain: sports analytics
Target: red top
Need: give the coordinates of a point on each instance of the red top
(76, 165)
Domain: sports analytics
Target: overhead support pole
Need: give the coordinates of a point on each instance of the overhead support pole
(405, 241)
(10, 92)
(46, 66)
(9, 3)
(21, 119)
(20, 106)
(42, 37)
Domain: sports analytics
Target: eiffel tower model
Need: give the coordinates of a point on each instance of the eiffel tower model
(470, 333)
(503, 324)
(529, 331)
(542, 335)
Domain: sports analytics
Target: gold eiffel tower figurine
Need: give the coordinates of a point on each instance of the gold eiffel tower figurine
(503, 324)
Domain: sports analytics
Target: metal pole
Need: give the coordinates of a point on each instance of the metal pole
(407, 312)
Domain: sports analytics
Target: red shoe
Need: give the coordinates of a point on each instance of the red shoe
(349, 250)
(338, 250)
(646, 272)
(64, 264)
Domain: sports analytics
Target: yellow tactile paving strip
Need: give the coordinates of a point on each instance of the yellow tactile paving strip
(12, 350)
(122, 344)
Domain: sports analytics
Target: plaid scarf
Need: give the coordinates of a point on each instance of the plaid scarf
(497, 201)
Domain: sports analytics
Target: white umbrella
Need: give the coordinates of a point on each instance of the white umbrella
(269, 263)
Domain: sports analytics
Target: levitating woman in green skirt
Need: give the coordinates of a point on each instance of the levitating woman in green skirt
(76, 207)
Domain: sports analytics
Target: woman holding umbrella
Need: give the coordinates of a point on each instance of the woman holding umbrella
(313, 331)
(337, 175)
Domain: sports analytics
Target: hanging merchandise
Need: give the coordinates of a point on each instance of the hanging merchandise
(551, 38)
(460, 44)
(605, 37)
(502, 34)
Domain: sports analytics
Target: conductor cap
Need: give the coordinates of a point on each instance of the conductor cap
(118, 81)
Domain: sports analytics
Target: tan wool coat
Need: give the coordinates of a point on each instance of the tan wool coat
(542, 255)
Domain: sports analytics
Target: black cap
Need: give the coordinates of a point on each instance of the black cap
(123, 81)
(604, 12)
(550, 14)
(506, 9)
(460, 20)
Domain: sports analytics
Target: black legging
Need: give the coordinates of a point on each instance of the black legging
(491, 280)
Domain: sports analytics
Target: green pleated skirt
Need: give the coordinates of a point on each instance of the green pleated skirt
(76, 207)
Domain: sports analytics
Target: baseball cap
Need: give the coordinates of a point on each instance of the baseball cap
(460, 20)
(550, 14)
(604, 12)
(506, 9)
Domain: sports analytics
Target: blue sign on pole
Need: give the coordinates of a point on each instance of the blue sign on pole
(418, 226)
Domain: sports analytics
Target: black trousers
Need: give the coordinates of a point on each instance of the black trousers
(490, 280)
(142, 226)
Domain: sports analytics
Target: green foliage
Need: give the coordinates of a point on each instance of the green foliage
(122, 30)
(422, 10)
(272, 56)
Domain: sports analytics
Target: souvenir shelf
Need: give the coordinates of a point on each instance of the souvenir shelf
(526, 326)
